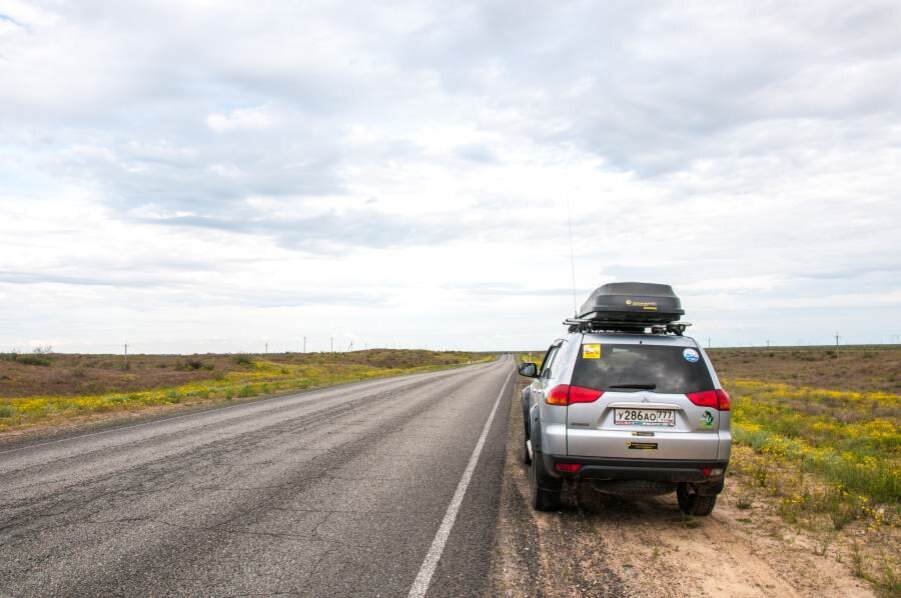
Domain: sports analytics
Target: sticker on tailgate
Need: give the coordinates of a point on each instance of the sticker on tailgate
(591, 351)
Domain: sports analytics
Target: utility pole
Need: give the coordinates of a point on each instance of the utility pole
(267, 348)
(351, 347)
(304, 344)
(768, 343)
(126, 356)
(332, 344)
(836, 339)
(708, 342)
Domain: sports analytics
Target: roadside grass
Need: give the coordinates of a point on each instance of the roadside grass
(535, 357)
(858, 368)
(256, 378)
(831, 460)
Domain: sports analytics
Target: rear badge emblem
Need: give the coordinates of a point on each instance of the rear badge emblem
(707, 419)
(647, 446)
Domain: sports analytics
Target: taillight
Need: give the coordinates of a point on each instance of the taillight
(568, 467)
(578, 394)
(564, 394)
(559, 395)
(717, 399)
(724, 402)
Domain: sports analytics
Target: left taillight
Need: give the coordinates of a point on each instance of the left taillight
(564, 394)
(716, 399)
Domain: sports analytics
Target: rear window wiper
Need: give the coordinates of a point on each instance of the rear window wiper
(645, 386)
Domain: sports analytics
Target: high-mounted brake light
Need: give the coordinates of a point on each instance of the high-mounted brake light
(564, 394)
(717, 399)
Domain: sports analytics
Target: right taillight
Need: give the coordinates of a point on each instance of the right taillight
(564, 394)
(724, 402)
(717, 399)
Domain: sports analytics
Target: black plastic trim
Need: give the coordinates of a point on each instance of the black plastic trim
(665, 470)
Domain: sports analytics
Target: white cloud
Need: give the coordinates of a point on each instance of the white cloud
(240, 119)
(204, 176)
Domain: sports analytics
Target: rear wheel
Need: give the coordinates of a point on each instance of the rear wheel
(545, 489)
(694, 504)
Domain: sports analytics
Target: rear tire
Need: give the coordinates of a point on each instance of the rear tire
(694, 504)
(545, 489)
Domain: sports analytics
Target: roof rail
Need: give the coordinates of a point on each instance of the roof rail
(599, 325)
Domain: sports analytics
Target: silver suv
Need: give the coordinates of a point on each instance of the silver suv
(628, 408)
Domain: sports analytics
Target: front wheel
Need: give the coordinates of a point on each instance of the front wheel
(545, 489)
(694, 504)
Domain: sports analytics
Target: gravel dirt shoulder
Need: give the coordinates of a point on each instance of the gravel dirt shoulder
(604, 546)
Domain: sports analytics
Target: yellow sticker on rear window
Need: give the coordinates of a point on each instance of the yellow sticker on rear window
(592, 351)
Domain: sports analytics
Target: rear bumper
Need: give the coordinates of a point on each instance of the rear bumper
(663, 470)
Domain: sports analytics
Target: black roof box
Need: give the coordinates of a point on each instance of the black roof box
(640, 303)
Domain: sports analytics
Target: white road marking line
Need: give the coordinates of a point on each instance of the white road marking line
(424, 578)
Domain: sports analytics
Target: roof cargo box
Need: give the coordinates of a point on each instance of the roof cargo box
(633, 302)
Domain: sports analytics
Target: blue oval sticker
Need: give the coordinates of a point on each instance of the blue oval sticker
(691, 355)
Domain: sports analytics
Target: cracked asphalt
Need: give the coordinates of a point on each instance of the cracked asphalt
(336, 492)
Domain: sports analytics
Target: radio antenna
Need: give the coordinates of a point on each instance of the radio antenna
(572, 255)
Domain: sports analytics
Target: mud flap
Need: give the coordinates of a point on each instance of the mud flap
(708, 489)
(535, 431)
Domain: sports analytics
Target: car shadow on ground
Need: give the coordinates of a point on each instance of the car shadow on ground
(661, 510)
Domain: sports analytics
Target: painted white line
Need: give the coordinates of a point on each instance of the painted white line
(424, 578)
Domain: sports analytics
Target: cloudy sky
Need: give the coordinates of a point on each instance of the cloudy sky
(193, 176)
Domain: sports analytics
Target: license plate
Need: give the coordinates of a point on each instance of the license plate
(644, 417)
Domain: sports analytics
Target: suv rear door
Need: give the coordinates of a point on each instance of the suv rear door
(540, 385)
(644, 411)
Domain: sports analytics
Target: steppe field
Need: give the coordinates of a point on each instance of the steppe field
(819, 442)
(48, 391)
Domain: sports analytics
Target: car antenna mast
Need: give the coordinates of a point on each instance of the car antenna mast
(572, 255)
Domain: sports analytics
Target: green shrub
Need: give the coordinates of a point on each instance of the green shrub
(7, 411)
(193, 364)
(242, 359)
(33, 360)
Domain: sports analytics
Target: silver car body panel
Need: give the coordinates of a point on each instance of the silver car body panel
(588, 429)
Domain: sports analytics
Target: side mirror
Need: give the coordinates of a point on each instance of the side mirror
(528, 369)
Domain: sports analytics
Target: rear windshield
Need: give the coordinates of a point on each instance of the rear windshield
(624, 368)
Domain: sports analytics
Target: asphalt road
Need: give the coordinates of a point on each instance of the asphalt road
(337, 492)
